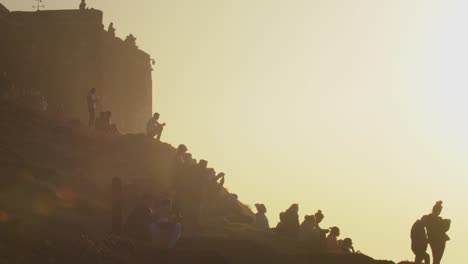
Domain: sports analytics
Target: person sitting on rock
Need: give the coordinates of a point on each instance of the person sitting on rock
(104, 123)
(220, 178)
(289, 221)
(347, 246)
(308, 231)
(419, 242)
(167, 228)
(261, 220)
(154, 128)
(332, 241)
(139, 221)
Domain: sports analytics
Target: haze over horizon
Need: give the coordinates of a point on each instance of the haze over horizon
(356, 107)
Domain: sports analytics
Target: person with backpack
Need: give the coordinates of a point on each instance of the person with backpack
(419, 242)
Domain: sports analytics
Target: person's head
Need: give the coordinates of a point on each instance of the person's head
(156, 116)
(348, 242)
(261, 208)
(319, 216)
(309, 219)
(93, 90)
(203, 164)
(294, 208)
(437, 208)
(335, 231)
(181, 149)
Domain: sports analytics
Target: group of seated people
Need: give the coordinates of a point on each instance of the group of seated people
(162, 226)
(308, 233)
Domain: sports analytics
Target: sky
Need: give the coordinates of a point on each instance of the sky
(354, 107)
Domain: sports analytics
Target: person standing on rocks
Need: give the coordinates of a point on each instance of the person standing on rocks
(437, 229)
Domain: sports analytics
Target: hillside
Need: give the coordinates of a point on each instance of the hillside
(55, 200)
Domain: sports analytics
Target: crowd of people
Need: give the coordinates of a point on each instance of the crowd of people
(308, 233)
(193, 184)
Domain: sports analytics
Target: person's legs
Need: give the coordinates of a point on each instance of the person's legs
(427, 258)
(418, 259)
(91, 117)
(159, 130)
(437, 251)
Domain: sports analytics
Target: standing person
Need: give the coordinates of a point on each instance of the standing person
(91, 99)
(437, 228)
(419, 243)
(154, 128)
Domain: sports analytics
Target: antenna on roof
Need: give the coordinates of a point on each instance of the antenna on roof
(38, 5)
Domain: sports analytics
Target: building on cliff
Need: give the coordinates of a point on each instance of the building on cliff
(64, 53)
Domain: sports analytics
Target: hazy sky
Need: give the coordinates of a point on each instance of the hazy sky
(355, 107)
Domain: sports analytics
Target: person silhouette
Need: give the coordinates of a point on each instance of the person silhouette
(154, 128)
(437, 229)
(261, 220)
(91, 99)
(308, 231)
(332, 241)
(289, 222)
(419, 243)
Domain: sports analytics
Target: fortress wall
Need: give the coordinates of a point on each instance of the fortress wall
(57, 53)
(127, 84)
(64, 53)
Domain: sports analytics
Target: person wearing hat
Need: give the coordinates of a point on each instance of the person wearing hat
(154, 128)
(261, 220)
(437, 229)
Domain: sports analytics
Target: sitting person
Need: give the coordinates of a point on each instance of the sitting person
(261, 220)
(308, 231)
(347, 246)
(154, 128)
(103, 123)
(289, 221)
(139, 221)
(332, 241)
(167, 228)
